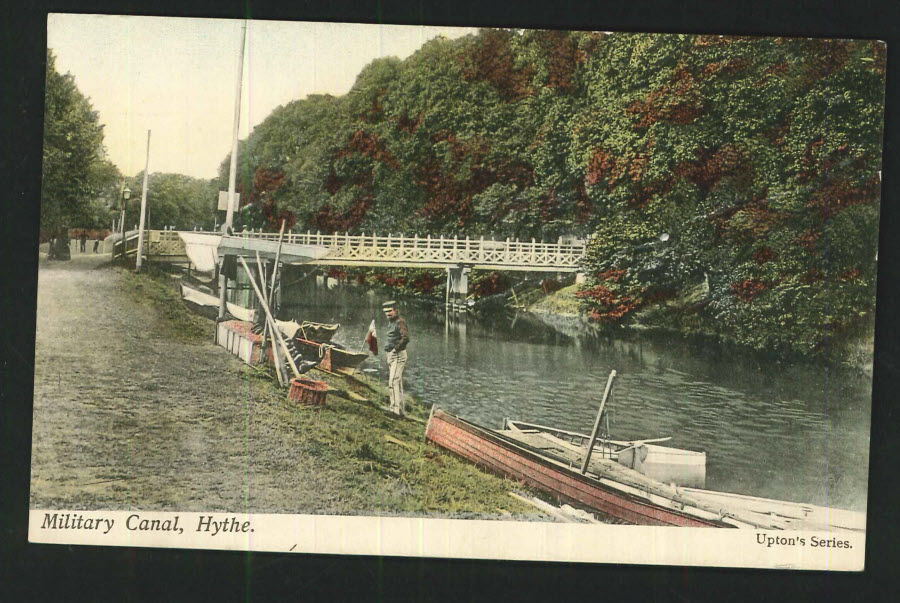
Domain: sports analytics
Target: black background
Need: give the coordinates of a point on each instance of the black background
(55, 572)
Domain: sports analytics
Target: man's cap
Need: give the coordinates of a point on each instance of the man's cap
(389, 305)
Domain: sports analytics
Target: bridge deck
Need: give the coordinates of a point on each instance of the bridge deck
(411, 252)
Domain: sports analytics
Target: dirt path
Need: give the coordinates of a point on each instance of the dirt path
(136, 408)
(126, 419)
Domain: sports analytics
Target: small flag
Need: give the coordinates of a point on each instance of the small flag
(372, 339)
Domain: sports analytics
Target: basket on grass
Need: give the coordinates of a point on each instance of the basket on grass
(308, 391)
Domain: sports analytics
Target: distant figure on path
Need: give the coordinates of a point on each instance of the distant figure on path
(83, 238)
(397, 340)
(97, 244)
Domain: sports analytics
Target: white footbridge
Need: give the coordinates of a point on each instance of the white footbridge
(458, 256)
(434, 252)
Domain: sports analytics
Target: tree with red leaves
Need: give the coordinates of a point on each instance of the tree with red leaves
(731, 166)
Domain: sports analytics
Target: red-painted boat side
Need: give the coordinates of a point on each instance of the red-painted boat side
(494, 453)
(243, 328)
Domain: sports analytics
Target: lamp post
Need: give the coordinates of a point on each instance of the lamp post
(126, 195)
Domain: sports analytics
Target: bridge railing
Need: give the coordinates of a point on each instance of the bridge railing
(437, 250)
(165, 243)
(131, 241)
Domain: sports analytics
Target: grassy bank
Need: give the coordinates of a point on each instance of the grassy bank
(354, 457)
(158, 290)
(562, 302)
(665, 320)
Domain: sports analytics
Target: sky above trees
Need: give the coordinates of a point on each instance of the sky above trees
(176, 77)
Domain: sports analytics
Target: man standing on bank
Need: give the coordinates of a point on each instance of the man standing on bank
(397, 340)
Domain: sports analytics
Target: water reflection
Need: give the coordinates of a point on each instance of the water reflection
(782, 431)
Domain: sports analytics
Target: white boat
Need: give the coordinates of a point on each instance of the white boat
(211, 301)
(662, 463)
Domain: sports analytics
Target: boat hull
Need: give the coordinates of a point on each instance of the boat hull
(500, 455)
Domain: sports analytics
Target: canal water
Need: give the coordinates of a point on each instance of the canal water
(797, 433)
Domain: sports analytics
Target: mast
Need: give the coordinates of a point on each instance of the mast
(232, 173)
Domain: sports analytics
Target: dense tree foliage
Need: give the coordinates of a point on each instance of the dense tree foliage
(728, 184)
(173, 200)
(79, 183)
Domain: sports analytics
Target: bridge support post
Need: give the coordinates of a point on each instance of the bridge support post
(457, 287)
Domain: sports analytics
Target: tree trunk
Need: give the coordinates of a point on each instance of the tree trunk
(59, 248)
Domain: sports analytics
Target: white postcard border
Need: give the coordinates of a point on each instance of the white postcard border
(454, 538)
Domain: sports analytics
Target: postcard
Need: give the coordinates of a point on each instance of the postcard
(574, 296)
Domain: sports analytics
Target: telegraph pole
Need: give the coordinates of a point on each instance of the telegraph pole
(140, 247)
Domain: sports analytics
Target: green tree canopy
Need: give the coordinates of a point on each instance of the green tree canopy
(733, 181)
(174, 200)
(79, 183)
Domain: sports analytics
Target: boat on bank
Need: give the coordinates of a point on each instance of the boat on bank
(623, 494)
(208, 304)
(318, 332)
(330, 356)
(662, 463)
(319, 347)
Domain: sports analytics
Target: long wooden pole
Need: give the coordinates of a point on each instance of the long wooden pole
(590, 448)
(270, 332)
(262, 281)
(266, 332)
(223, 285)
(271, 319)
(140, 247)
(232, 174)
(262, 273)
(272, 290)
(277, 259)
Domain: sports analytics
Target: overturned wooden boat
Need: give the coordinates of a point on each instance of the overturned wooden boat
(208, 304)
(623, 494)
(662, 463)
(330, 356)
